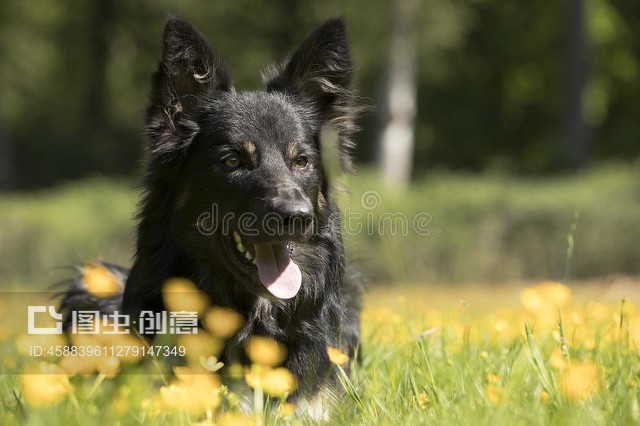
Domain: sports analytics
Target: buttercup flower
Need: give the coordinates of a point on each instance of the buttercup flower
(44, 385)
(277, 382)
(544, 397)
(557, 360)
(580, 380)
(287, 409)
(99, 281)
(109, 366)
(25, 342)
(495, 394)
(546, 297)
(191, 391)
(235, 419)
(211, 363)
(180, 294)
(200, 345)
(336, 356)
(223, 322)
(265, 351)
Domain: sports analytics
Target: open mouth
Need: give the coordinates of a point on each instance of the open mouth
(277, 272)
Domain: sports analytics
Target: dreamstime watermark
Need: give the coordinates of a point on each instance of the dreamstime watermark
(368, 220)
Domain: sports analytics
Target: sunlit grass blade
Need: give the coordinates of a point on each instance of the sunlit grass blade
(546, 378)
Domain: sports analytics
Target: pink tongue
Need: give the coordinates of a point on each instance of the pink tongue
(278, 273)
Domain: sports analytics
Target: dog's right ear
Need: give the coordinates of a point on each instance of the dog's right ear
(187, 70)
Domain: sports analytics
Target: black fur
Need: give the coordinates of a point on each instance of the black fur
(195, 120)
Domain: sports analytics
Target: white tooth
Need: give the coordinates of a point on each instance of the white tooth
(248, 256)
(240, 247)
(236, 237)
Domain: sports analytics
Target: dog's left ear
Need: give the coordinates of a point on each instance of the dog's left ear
(320, 72)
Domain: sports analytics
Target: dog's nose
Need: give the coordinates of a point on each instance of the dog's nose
(296, 215)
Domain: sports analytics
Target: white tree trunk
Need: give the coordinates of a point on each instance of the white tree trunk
(398, 133)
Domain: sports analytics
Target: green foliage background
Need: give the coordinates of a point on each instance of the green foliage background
(491, 93)
(74, 77)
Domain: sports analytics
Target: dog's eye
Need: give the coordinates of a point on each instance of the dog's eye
(301, 162)
(231, 161)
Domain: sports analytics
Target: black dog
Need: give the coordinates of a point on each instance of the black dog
(271, 245)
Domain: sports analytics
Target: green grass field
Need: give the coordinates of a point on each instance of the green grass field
(541, 354)
(491, 228)
(445, 338)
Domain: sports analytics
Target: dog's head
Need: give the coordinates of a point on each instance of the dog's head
(249, 160)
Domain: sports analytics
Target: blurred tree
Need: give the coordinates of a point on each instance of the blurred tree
(492, 78)
(490, 86)
(6, 158)
(611, 98)
(578, 134)
(101, 20)
(398, 104)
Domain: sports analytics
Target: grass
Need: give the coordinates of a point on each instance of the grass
(473, 228)
(497, 228)
(455, 353)
(41, 232)
(543, 354)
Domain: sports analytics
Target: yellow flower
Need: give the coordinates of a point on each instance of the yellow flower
(279, 382)
(493, 379)
(276, 382)
(199, 345)
(191, 391)
(557, 360)
(44, 385)
(180, 294)
(544, 397)
(115, 343)
(546, 297)
(235, 419)
(495, 394)
(253, 376)
(109, 366)
(211, 363)
(101, 282)
(25, 342)
(265, 351)
(501, 326)
(85, 365)
(577, 318)
(174, 397)
(223, 322)
(422, 400)
(196, 378)
(579, 380)
(82, 365)
(336, 356)
(287, 409)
